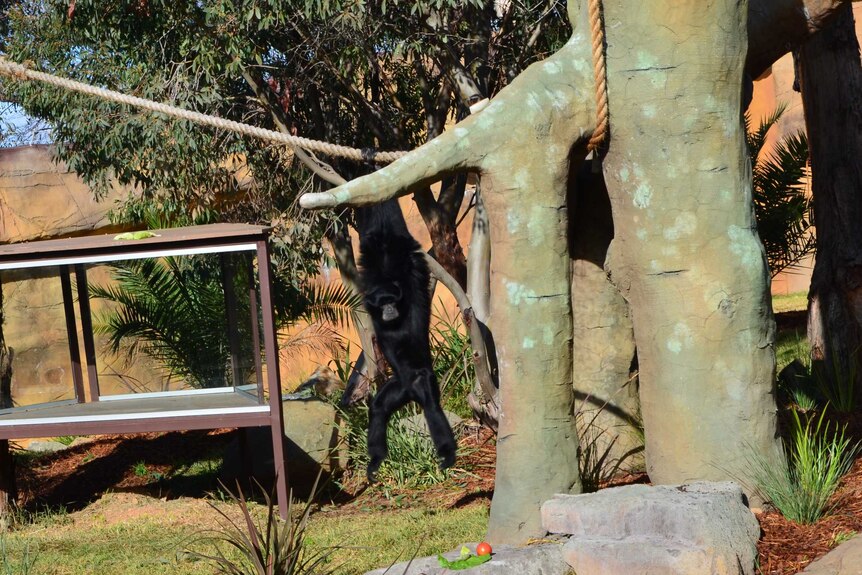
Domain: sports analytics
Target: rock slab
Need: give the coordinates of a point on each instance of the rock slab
(697, 528)
(544, 559)
(846, 559)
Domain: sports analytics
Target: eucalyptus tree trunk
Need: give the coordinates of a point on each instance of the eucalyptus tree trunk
(684, 253)
(831, 82)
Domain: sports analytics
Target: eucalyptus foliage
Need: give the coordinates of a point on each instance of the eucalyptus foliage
(367, 74)
(371, 74)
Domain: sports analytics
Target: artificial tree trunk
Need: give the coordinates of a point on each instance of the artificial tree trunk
(689, 258)
(608, 408)
(831, 82)
(686, 251)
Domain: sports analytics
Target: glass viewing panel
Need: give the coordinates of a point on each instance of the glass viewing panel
(34, 330)
(179, 323)
(188, 322)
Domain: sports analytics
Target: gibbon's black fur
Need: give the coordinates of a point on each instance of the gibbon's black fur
(395, 281)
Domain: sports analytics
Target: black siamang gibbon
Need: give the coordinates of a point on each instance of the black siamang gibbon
(395, 282)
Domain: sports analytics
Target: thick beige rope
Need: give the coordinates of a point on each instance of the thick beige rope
(15, 70)
(597, 33)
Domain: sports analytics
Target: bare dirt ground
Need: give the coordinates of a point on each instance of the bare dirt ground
(103, 482)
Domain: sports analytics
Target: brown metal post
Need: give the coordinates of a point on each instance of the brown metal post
(227, 277)
(72, 332)
(87, 331)
(273, 377)
(255, 330)
(8, 486)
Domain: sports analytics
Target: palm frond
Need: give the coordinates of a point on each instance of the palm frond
(311, 339)
(330, 302)
(781, 205)
(757, 138)
(168, 313)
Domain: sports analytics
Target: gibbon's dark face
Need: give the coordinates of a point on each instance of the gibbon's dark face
(386, 297)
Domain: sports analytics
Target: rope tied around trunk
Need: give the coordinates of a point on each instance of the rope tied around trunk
(600, 72)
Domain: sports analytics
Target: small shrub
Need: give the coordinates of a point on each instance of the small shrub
(798, 388)
(838, 384)
(66, 439)
(140, 469)
(412, 460)
(268, 547)
(596, 461)
(803, 397)
(816, 386)
(816, 462)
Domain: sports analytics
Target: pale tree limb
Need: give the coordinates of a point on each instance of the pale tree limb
(321, 169)
(479, 294)
(480, 354)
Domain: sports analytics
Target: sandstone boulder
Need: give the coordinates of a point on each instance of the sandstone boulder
(697, 528)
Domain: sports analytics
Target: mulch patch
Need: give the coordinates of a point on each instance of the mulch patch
(785, 548)
(81, 474)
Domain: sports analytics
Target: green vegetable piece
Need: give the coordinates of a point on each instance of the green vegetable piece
(136, 235)
(465, 561)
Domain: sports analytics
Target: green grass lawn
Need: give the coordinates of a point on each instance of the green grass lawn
(789, 345)
(94, 541)
(790, 302)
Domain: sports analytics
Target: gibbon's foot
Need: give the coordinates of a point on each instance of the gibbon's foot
(373, 468)
(446, 457)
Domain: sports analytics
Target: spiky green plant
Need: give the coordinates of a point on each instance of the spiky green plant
(816, 459)
(781, 207)
(270, 546)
